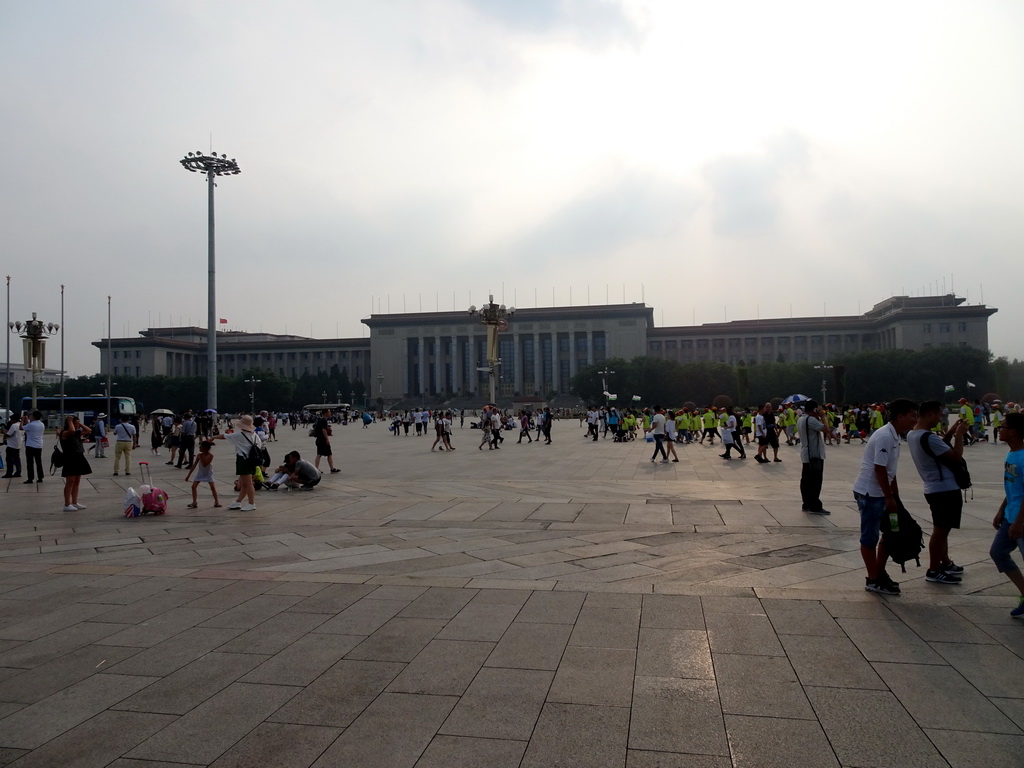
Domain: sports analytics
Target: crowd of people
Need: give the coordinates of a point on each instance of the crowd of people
(936, 447)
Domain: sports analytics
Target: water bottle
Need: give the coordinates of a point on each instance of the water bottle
(894, 522)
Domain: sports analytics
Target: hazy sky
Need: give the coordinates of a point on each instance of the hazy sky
(718, 160)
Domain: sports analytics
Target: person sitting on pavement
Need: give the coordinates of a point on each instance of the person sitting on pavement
(296, 472)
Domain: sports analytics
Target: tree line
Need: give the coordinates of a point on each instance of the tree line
(864, 377)
(272, 392)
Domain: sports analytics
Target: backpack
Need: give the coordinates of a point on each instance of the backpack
(959, 470)
(906, 543)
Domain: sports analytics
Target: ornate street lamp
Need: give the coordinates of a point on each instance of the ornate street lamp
(34, 334)
(212, 166)
(604, 385)
(495, 317)
(252, 393)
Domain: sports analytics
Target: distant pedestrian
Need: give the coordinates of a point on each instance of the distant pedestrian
(34, 430)
(322, 433)
(124, 439)
(810, 431)
(15, 437)
(99, 435)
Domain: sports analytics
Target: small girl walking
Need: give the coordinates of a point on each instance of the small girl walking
(203, 467)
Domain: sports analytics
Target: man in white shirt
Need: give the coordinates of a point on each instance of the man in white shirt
(34, 446)
(124, 439)
(15, 442)
(877, 492)
(658, 430)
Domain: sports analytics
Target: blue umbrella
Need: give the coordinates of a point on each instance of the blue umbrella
(795, 399)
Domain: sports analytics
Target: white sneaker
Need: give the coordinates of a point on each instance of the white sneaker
(70, 508)
(78, 506)
(236, 505)
(248, 508)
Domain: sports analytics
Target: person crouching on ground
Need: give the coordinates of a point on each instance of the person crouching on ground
(296, 472)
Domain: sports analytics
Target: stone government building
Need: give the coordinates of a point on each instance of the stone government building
(436, 353)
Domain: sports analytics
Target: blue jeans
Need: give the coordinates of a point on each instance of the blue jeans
(659, 445)
(872, 511)
(1002, 547)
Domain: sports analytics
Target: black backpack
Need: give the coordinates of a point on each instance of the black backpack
(959, 470)
(905, 544)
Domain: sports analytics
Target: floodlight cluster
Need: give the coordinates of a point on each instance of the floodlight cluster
(197, 162)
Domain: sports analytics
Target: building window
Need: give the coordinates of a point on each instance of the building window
(686, 343)
(702, 343)
(750, 342)
(816, 340)
(115, 355)
(718, 344)
(927, 327)
(784, 341)
(356, 354)
(671, 344)
(799, 341)
(833, 339)
(115, 370)
(656, 345)
(962, 327)
(138, 353)
(943, 327)
(766, 342)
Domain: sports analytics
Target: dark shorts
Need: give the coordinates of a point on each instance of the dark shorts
(946, 507)
(323, 448)
(763, 440)
(244, 465)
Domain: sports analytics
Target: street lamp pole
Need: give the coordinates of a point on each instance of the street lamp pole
(110, 370)
(34, 340)
(824, 380)
(212, 166)
(495, 317)
(604, 384)
(380, 389)
(7, 365)
(252, 393)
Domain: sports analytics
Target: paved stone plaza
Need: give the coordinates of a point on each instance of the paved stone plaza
(541, 605)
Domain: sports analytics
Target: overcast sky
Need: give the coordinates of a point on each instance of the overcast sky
(718, 160)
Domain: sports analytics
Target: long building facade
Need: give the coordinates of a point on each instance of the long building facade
(441, 353)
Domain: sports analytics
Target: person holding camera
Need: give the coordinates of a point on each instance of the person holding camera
(811, 436)
(75, 463)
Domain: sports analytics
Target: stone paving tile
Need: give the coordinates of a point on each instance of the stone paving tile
(575, 736)
(393, 731)
(362, 618)
(480, 621)
(963, 749)
(871, 728)
(465, 752)
(57, 644)
(775, 742)
(993, 670)
(174, 653)
(500, 704)
(830, 662)
(596, 676)
(339, 695)
(742, 634)
(96, 742)
(530, 646)
(215, 725)
(672, 612)
(398, 640)
(552, 608)
(37, 724)
(191, 685)
(675, 715)
(674, 653)
(275, 634)
(939, 697)
(763, 686)
(39, 682)
(443, 668)
(438, 603)
(801, 617)
(304, 660)
(282, 745)
(881, 640)
(47, 623)
(599, 627)
(639, 758)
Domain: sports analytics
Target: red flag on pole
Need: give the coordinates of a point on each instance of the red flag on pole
(223, 321)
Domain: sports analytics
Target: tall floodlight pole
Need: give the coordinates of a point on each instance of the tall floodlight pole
(34, 334)
(63, 413)
(212, 166)
(495, 317)
(110, 370)
(7, 365)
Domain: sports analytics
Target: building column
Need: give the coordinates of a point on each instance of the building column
(421, 352)
(590, 347)
(406, 362)
(538, 371)
(572, 354)
(517, 385)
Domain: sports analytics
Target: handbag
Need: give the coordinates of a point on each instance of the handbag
(57, 458)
